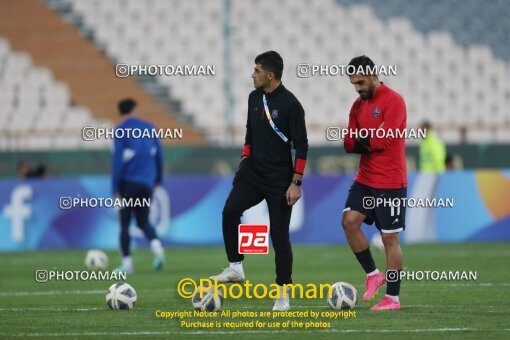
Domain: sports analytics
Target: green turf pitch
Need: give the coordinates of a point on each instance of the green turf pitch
(77, 309)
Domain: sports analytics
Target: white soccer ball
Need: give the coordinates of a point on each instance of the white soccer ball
(376, 242)
(121, 296)
(210, 300)
(343, 296)
(96, 259)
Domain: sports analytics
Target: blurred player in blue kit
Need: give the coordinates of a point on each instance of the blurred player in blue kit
(137, 169)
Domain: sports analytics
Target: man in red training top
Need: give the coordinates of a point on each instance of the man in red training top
(381, 179)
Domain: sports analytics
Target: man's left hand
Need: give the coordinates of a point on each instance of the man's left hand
(293, 194)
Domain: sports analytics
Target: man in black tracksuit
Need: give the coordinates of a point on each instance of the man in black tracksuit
(266, 170)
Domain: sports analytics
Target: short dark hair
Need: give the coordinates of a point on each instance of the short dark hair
(126, 106)
(271, 61)
(363, 62)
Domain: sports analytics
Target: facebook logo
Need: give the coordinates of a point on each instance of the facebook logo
(17, 211)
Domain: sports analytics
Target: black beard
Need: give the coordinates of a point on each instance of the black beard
(368, 94)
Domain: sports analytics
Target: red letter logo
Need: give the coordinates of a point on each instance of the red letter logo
(253, 239)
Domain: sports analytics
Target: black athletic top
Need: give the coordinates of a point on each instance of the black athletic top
(270, 157)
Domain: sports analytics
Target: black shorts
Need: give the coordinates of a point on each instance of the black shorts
(385, 207)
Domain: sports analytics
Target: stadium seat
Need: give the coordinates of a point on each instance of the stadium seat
(324, 32)
(35, 104)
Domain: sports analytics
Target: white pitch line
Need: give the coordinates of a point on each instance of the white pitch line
(71, 292)
(63, 309)
(422, 330)
(54, 292)
(403, 306)
(67, 309)
(51, 309)
(420, 284)
(171, 290)
(450, 306)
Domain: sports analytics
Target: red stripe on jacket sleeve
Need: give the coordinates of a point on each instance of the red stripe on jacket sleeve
(300, 166)
(246, 150)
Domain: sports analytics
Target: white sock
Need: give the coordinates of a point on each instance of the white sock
(394, 298)
(285, 295)
(237, 267)
(376, 271)
(156, 247)
(127, 262)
